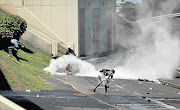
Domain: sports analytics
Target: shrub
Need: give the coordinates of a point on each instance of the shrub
(12, 25)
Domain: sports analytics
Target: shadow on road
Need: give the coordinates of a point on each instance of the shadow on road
(6, 91)
(3, 82)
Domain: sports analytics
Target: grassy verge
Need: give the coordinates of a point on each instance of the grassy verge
(25, 75)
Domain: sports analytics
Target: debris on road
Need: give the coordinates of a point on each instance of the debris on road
(28, 90)
(143, 97)
(80, 95)
(144, 80)
(115, 89)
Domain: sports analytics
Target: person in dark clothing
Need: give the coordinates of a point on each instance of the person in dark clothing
(104, 78)
(69, 52)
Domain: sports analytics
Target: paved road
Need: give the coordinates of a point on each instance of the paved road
(122, 94)
(62, 98)
(129, 94)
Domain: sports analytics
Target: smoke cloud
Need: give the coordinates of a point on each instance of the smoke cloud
(79, 67)
(156, 54)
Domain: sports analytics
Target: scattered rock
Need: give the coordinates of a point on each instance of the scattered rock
(115, 89)
(28, 90)
(144, 80)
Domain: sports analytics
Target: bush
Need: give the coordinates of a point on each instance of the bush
(12, 25)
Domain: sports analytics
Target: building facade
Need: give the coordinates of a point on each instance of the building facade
(87, 25)
(96, 26)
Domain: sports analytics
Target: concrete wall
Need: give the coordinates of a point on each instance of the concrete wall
(107, 24)
(39, 41)
(57, 19)
(60, 16)
(6, 104)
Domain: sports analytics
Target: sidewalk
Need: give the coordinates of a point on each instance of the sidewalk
(175, 82)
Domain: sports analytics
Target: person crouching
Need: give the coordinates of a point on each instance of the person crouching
(104, 78)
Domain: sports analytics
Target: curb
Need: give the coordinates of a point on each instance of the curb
(6, 104)
(169, 84)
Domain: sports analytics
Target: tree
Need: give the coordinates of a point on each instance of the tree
(12, 25)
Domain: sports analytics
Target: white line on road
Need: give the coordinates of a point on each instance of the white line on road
(160, 93)
(137, 93)
(163, 104)
(119, 86)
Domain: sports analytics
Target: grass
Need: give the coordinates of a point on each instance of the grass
(25, 75)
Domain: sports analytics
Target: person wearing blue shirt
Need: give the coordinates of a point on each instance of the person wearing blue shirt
(14, 45)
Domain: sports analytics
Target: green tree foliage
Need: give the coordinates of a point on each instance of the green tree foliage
(12, 25)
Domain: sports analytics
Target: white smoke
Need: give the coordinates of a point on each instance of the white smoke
(84, 68)
(152, 62)
(158, 55)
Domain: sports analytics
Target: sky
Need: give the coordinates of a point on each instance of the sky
(127, 0)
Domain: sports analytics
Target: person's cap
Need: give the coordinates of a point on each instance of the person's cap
(69, 46)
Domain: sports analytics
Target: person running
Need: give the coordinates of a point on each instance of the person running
(104, 78)
(69, 52)
(14, 46)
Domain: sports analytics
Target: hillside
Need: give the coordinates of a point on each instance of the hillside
(126, 31)
(25, 75)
